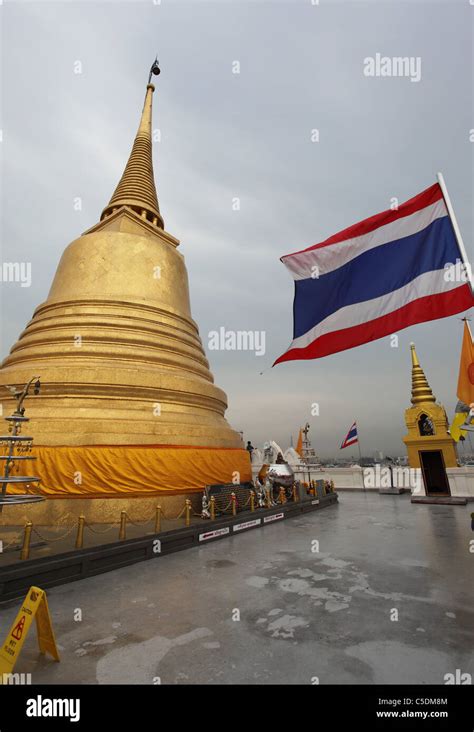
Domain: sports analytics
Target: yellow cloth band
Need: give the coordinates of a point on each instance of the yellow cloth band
(138, 470)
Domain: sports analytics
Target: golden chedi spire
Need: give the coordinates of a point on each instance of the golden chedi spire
(128, 400)
(136, 188)
(427, 430)
(420, 389)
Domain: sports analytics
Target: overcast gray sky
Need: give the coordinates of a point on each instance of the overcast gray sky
(246, 135)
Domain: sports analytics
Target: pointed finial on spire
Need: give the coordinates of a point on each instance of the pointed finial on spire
(420, 389)
(136, 188)
(155, 69)
(414, 357)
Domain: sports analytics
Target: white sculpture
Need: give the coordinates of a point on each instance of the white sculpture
(469, 423)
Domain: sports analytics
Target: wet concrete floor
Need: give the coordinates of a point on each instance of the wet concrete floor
(372, 590)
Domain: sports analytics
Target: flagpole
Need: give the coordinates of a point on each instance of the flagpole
(466, 320)
(358, 444)
(360, 457)
(457, 231)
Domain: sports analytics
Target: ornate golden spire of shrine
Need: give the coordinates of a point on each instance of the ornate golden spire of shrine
(121, 360)
(420, 389)
(136, 188)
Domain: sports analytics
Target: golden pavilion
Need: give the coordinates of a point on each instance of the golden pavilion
(428, 441)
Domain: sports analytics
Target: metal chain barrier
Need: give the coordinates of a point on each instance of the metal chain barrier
(231, 507)
(95, 531)
(6, 546)
(224, 510)
(56, 538)
(140, 523)
(168, 518)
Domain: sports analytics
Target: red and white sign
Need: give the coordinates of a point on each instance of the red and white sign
(214, 534)
(275, 517)
(247, 525)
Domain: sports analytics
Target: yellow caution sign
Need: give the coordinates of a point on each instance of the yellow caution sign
(35, 605)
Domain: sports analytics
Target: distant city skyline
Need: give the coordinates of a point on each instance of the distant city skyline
(269, 136)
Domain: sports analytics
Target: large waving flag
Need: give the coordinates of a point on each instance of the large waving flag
(377, 277)
(465, 390)
(351, 438)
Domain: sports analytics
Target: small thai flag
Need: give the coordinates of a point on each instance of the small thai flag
(351, 438)
(383, 274)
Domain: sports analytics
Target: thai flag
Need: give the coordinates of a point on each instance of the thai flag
(376, 277)
(351, 438)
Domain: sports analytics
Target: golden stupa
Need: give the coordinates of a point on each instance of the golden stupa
(128, 405)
